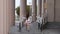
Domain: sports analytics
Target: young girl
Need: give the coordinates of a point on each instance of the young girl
(27, 23)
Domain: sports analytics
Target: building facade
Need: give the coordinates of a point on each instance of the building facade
(7, 12)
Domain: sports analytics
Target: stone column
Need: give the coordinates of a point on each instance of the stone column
(42, 13)
(30, 10)
(11, 11)
(39, 6)
(6, 9)
(50, 9)
(22, 9)
(1, 17)
(33, 10)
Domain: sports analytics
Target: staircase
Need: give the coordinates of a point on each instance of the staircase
(53, 25)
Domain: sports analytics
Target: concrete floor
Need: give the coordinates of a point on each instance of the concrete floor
(33, 30)
(53, 25)
(52, 28)
(51, 31)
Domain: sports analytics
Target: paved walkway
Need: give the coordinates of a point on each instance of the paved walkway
(52, 28)
(33, 30)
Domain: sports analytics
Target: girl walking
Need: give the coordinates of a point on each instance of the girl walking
(28, 23)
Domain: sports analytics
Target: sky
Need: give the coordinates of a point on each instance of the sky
(17, 2)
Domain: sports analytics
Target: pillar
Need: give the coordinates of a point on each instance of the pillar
(50, 9)
(42, 12)
(6, 9)
(23, 9)
(39, 6)
(33, 10)
(57, 11)
(1, 17)
(30, 10)
(12, 12)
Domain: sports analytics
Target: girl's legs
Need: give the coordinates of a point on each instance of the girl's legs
(28, 28)
(38, 25)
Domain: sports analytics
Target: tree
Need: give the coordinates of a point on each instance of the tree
(27, 10)
(18, 10)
